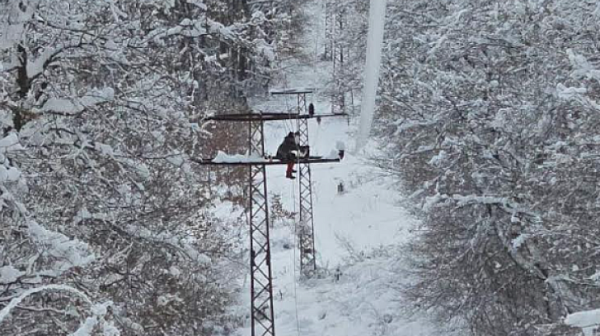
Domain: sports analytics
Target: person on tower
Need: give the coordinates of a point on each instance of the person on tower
(289, 151)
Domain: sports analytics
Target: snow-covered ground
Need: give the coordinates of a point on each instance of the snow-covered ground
(357, 290)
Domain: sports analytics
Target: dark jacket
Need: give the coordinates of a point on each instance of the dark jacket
(287, 146)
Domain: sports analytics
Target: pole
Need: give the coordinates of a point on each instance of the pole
(371, 72)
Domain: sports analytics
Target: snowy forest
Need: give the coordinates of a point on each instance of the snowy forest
(470, 211)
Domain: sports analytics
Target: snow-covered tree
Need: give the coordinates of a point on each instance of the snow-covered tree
(491, 110)
(345, 45)
(101, 109)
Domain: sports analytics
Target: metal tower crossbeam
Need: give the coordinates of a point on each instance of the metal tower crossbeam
(314, 159)
(268, 116)
(291, 91)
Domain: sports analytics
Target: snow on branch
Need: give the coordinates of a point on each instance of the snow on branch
(184, 244)
(69, 253)
(9, 174)
(462, 200)
(10, 143)
(198, 3)
(264, 48)
(588, 321)
(569, 93)
(9, 274)
(98, 313)
(192, 28)
(36, 67)
(582, 68)
(13, 29)
(98, 310)
(14, 302)
(74, 105)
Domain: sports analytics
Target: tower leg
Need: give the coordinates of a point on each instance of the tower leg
(261, 279)
(306, 236)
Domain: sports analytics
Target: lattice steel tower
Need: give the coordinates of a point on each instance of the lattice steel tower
(261, 277)
(306, 227)
(261, 285)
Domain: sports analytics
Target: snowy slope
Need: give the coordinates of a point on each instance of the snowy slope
(353, 230)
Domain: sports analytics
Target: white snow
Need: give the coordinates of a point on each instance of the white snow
(109, 329)
(174, 271)
(360, 302)
(582, 67)
(332, 155)
(14, 30)
(222, 157)
(68, 253)
(569, 93)
(9, 274)
(36, 66)
(595, 277)
(10, 143)
(431, 202)
(186, 243)
(73, 105)
(197, 3)
(81, 215)
(98, 311)
(165, 299)
(218, 28)
(142, 170)
(588, 321)
(371, 71)
(104, 149)
(438, 158)
(10, 174)
(517, 242)
(14, 302)
(176, 159)
(87, 327)
(265, 49)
